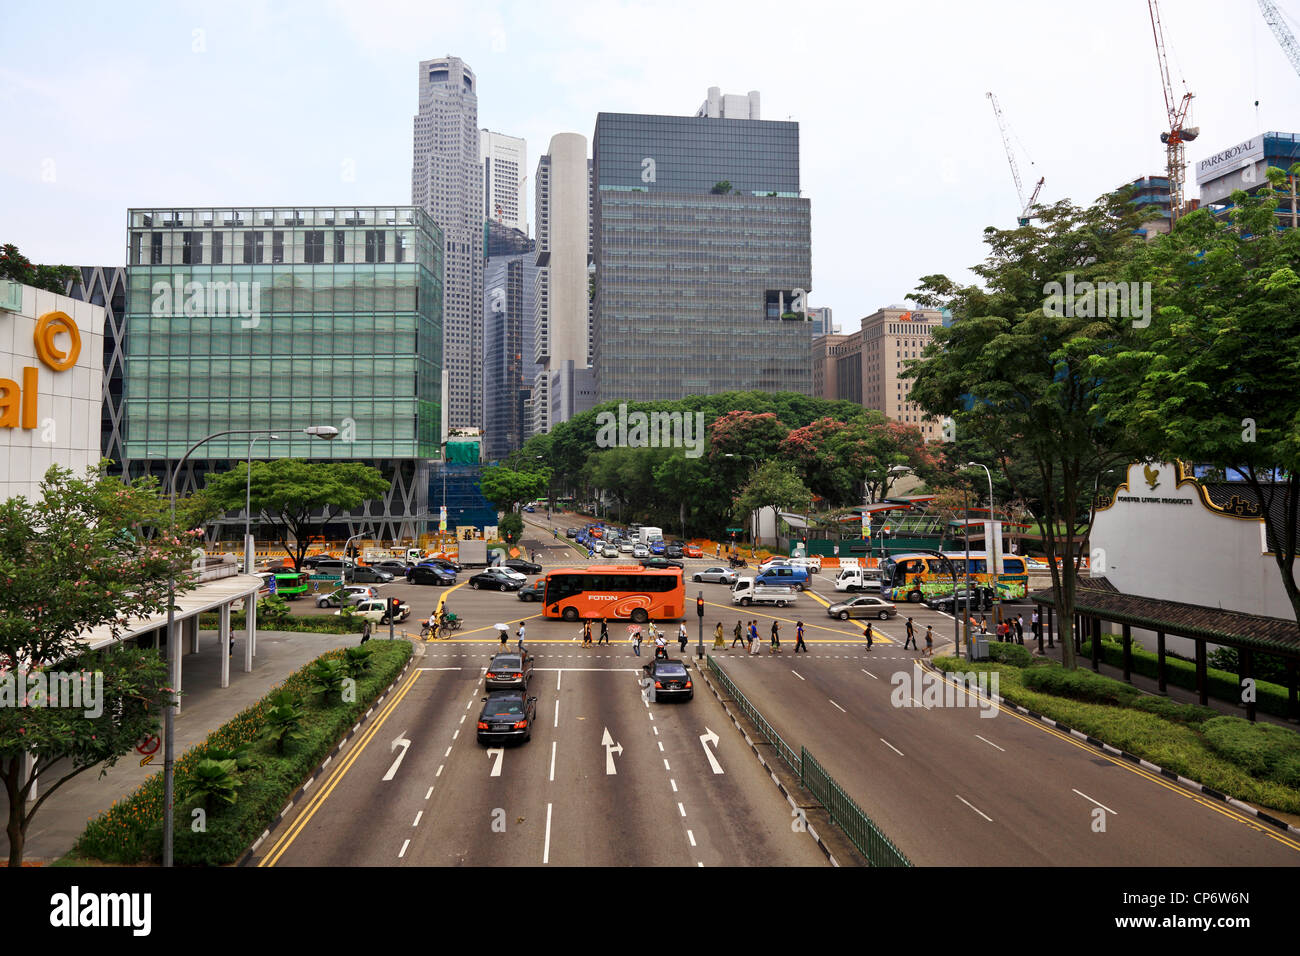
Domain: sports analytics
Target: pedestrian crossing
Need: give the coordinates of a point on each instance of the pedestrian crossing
(739, 655)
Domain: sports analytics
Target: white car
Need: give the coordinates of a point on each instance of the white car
(511, 572)
(609, 550)
(352, 593)
(625, 547)
(375, 610)
(639, 550)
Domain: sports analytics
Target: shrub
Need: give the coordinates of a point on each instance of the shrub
(1079, 685)
(1264, 750)
(1014, 654)
(283, 720)
(211, 782)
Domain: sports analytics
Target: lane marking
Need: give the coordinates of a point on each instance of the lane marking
(796, 673)
(557, 713)
(706, 738)
(455, 735)
(681, 809)
(837, 707)
(661, 746)
(439, 773)
(992, 744)
(674, 783)
(690, 836)
(546, 848)
(559, 676)
(417, 819)
(1102, 805)
(429, 794)
(666, 767)
(553, 761)
(892, 747)
(447, 754)
(868, 673)
(405, 844)
(975, 808)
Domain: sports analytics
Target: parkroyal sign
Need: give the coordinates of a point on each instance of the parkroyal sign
(58, 346)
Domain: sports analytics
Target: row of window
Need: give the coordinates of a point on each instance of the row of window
(251, 247)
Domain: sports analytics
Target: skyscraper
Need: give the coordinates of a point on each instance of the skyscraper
(447, 183)
(505, 178)
(508, 367)
(703, 257)
(561, 334)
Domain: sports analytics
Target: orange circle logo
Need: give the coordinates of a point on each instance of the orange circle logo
(48, 327)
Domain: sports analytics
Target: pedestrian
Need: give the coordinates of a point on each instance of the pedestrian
(718, 642)
(929, 640)
(586, 634)
(984, 624)
(1034, 625)
(754, 646)
(504, 634)
(717, 553)
(520, 634)
(604, 631)
(410, 568)
(1020, 628)
(1004, 631)
(555, 532)
(776, 638)
(836, 550)
(911, 636)
(738, 638)
(869, 635)
(798, 638)
(682, 637)
(636, 641)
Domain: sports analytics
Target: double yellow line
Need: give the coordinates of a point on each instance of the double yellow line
(317, 801)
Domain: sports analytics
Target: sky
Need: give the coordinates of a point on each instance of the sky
(106, 106)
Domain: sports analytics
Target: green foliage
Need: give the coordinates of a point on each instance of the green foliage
(288, 493)
(722, 188)
(1080, 685)
(131, 831)
(774, 484)
(273, 611)
(1264, 750)
(241, 754)
(357, 660)
(14, 265)
(212, 783)
(1015, 654)
(509, 487)
(1267, 667)
(327, 676)
(511, 527)
(285, 717)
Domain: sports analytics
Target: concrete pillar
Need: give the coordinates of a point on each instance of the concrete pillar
(224, 644)
(192, 630)
(250, 633)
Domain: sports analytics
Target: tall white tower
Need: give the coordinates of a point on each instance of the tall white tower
(505, 178)
(447, 181)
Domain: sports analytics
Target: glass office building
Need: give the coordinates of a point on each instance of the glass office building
(702, 244)
(281, 318)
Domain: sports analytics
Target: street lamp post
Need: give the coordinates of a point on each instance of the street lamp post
(248, 504)
(990, 546)
(346, 544)
(325, 432)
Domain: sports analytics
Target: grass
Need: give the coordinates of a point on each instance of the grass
(1257, 763)
(130, 832)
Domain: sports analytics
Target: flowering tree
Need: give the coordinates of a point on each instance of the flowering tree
(88, 553)
(837, 458)
(14, 265)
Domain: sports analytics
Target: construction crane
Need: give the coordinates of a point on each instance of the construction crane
(1273, 17)
(1177, 134)
(1024, 216)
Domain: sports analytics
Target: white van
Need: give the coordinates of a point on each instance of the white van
(858, 579)
(648, 534)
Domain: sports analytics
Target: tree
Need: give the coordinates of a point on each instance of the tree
(1014, 369)
(774, 484)
(14, 265)
(507, 488)
(287, 493)
(511, 527)
(1215, 377)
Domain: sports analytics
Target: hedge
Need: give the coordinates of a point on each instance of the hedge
(1219, 684)
(1222, 752)
(131, 830)
(312, 624)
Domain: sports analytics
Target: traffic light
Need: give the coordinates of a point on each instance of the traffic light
(394, 604)
(699, 607)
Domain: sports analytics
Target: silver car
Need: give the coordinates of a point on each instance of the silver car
(625, 546)
(715, 576)
(640, 551)
(865, 605)
(609, 550)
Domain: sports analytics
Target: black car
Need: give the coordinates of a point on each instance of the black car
(669, 679)
(533, 592)
(510, 671)
(451, 566)
(495, 580)
(396, 568)
(506, 715)
(522, 566)
(981, 599)
(366, 574)
(427, 574)
(673, 550)
(570, 532)
(660, 563)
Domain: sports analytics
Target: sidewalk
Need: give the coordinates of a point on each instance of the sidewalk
(205, 707)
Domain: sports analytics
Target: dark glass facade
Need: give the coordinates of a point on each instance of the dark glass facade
(701, 241)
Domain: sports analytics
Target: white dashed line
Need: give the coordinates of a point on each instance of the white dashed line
(447, 754)
(837, 707)
(666, 767)
(546, 849)
(439, 773)
(674, 783)
(868, 673)
(557, 713)
(690, 836)
(403, 851)
(891, 746)
(429, 794)
(417, 819)
(455, 735)
(797, 674)
(1088, 798)
(992, 744)
(661, 746)
(977, 809)
(681, 809)
(553, 761)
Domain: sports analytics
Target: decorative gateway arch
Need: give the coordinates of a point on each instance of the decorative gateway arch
(1162, 544)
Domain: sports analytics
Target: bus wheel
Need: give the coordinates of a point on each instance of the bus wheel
(639, 615)
(914, 597)
(570, 614)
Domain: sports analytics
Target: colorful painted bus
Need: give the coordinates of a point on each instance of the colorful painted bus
(914, 576)
(620, 592)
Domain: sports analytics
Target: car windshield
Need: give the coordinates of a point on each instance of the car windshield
(671, 670)
(503, 661)
(503, 707)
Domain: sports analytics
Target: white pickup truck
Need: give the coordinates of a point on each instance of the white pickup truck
(745, 593)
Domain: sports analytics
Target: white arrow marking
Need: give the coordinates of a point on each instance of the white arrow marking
(611, 748)
(402, 742)
(711, 738)
(496, 767)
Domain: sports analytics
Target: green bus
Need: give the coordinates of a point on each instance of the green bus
(291, 584)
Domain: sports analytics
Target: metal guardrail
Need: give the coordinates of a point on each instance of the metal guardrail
(866, 836)
(844, 812)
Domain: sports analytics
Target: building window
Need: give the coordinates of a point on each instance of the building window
(277, 246)
(374, 245)
(192, 248)
(340, 244)
(314, 250)
(155, 248)
(218, 248)
(252, 248)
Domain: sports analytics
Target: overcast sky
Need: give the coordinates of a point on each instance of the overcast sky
(104, 106)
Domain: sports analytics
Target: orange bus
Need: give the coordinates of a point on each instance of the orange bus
(621, 592)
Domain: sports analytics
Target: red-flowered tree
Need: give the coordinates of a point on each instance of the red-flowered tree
(841, 460)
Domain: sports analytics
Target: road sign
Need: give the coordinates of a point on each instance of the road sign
(611, 748)
(711, 738)
(400, 741)
(735, 530)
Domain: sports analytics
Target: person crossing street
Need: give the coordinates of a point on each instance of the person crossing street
(798, 638)
(911, 636)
